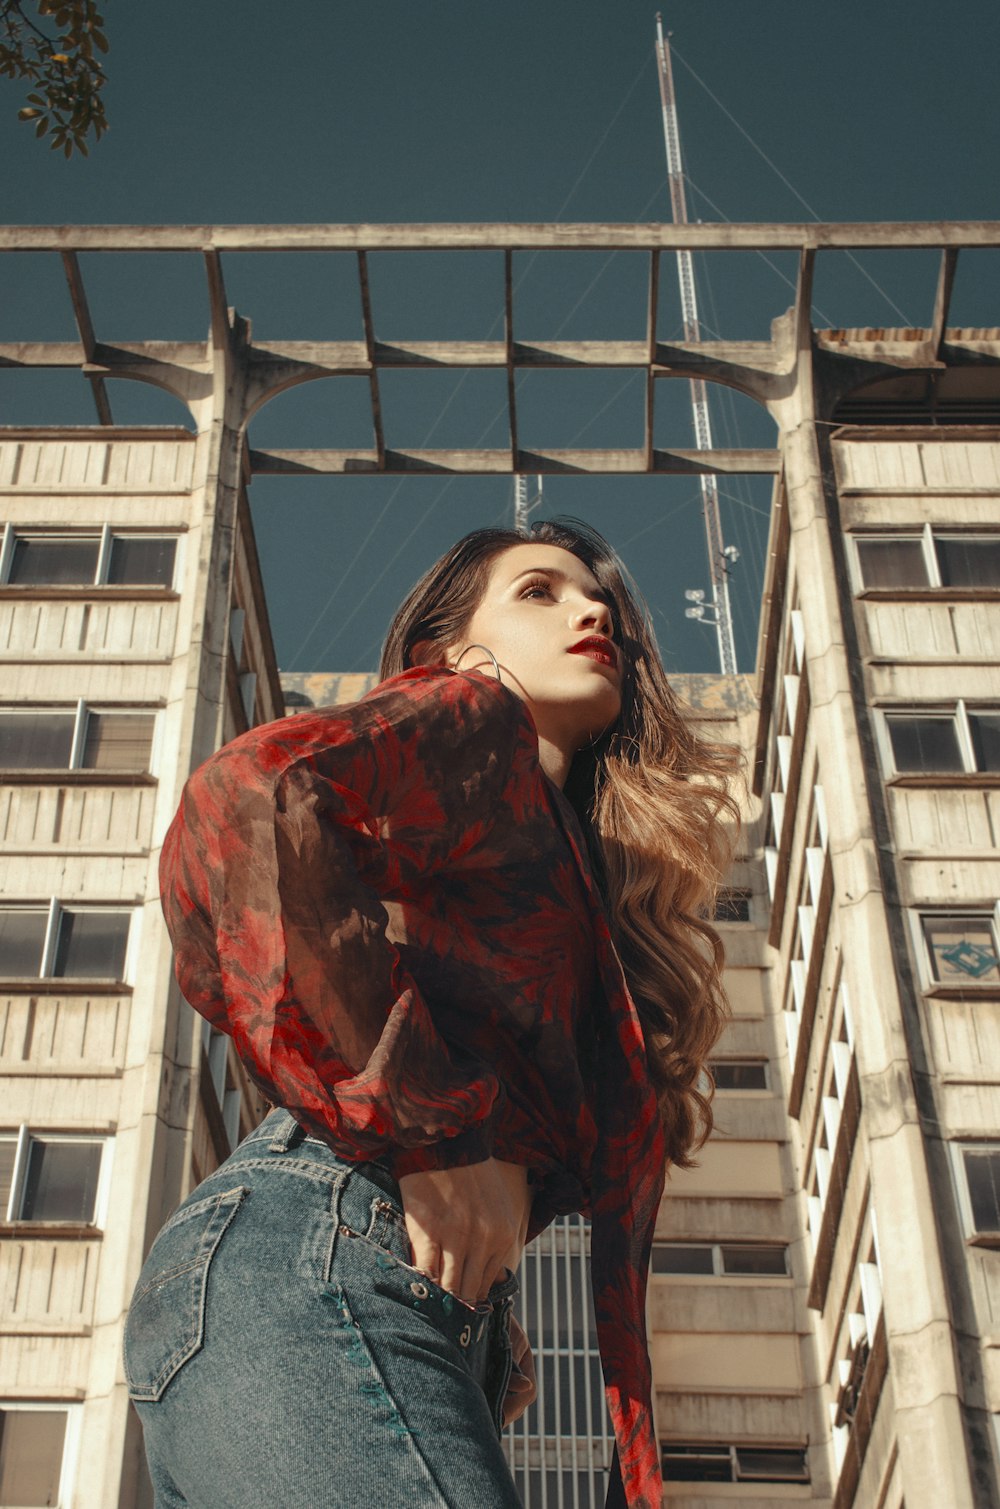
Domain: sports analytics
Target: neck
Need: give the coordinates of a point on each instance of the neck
(554, 760)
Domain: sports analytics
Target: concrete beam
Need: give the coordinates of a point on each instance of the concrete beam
(72, 354)
(790, 236)
(370, 346)
(84, 324)
(509, 357)
(499, 462)
(218, 303)
(652, 310)
(942, 299)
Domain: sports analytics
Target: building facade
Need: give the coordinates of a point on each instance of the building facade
(134, 638)
(825, 1284)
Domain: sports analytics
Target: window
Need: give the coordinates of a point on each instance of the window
(734, 1464)
(968, 560)
(957, 739)
(892, 561)
(228, 1095)
(81, 738)
(676, 1257)
(83, 559)
(38, 1447)
(740, 1074)
(754, 1261)
(55, 1178)
(721, 1260)
(980, 1188)
(63, 942)
(928, 558)
(961, 948)
(924, 742)
(733, 906)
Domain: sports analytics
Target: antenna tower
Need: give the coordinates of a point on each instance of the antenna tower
(719, 555)
(523, 506)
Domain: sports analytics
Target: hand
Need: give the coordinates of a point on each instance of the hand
(522, 1389)
(467, 1225)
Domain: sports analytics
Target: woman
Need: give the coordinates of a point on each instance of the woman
(416, 917)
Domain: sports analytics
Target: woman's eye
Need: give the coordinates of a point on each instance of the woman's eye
(537, 589)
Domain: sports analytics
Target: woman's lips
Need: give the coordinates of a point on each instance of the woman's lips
(597, 649)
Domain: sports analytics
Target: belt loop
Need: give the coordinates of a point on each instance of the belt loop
(287, 1135)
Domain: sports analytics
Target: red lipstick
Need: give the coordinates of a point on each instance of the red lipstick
(596, 647)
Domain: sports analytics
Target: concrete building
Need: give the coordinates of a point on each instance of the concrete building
(825, 1285)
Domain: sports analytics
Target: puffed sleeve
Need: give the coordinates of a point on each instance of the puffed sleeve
(273, 876)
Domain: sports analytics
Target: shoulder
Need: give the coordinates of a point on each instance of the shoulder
(458, 704)
(428, 719)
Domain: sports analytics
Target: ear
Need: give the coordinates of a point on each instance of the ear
(427, 652)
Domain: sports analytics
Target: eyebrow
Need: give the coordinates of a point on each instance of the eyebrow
(598, 594)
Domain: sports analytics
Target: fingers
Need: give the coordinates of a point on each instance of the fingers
(466, 1223)
(520, 1393)
(522, 1389)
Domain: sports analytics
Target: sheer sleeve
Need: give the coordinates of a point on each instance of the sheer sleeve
(273, 877)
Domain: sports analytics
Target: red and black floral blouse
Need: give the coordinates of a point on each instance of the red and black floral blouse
(390, 909)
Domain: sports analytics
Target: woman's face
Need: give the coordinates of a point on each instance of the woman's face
(548, 622)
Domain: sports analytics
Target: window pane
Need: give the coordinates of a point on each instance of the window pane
(8, 1153)
(118, 741)
(924, 743)
(697, 1464)
(22, 938)
(986, 739)
(982, 1173)
(896, 562)
(681, 1259)
(762, 1464)
(31, 1451)
(747, 1076)
(36, 741)
(92, 945)
(144, 561)
(750, 1260)
(962, 949)
(733, 906)
(61, 1181)
(44, 562)
(965, 561)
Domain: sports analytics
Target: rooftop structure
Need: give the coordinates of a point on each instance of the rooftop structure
(825, 1283)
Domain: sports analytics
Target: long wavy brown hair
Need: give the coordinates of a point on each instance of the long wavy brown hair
(654, 802)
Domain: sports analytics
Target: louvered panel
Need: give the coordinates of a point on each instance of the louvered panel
(900, 630)
(63, 1035)
(47, 1285)
(930, 819)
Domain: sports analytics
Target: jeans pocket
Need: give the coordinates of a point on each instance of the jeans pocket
(165, 1327)
(501, 1366)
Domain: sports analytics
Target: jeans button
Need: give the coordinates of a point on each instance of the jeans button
(465, 1337)
(418, 1289)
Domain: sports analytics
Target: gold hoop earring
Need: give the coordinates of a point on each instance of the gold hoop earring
(486, 650)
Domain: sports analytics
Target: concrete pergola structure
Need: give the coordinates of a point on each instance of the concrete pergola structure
(879, 431)
(767, 371)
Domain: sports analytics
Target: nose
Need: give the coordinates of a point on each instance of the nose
(592, 613)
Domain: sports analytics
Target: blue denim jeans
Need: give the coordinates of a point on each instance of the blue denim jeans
(283, 1354)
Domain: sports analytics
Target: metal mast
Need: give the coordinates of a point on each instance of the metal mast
(523, 506)
(718, 555)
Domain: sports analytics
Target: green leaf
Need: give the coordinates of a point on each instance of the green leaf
(42, 127)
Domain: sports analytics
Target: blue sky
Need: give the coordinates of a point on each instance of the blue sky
(530, 110)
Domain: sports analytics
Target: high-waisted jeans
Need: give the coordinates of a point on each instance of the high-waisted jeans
(283, 1354)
